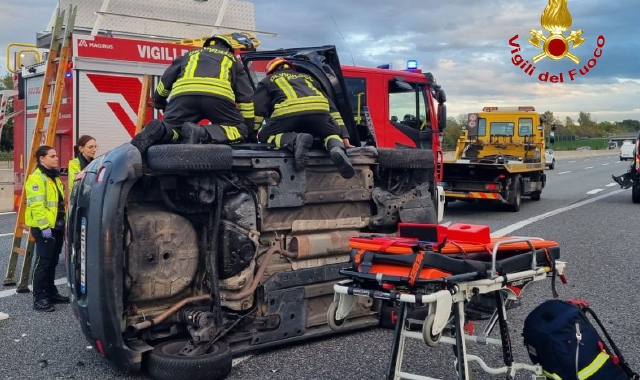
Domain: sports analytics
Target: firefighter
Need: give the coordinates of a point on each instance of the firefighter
(84, 152)
(45, 214)
(206, 83)
(297, 110)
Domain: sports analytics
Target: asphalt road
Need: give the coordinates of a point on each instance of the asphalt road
(590, 218)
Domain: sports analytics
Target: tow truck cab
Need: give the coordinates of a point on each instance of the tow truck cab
(180, 259)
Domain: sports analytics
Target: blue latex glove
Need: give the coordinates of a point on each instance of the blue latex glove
(46, 233)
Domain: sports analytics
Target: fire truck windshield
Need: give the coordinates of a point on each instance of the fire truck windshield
(407, 101)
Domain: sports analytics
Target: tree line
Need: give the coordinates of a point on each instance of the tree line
(582, 127)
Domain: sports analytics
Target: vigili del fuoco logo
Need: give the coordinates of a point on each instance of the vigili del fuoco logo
(556, 19)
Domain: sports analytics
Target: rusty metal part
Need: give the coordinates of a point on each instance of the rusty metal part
(256, 280)
(321, 245)
(230, 297)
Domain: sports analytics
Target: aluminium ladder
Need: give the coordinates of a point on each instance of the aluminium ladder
(53, 83)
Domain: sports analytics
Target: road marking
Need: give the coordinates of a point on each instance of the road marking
(594, 191)
(571, 162)
(589, 167)
(3, 235)
(12, 292)
(606, 164)
(611, 184)
(523, 223)
(564, 172)
(7, 213)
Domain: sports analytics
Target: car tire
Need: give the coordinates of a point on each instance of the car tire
(515, 196)
(165, 363)
(177, 157)
(405, 158)
(635, 194)
(553, 165)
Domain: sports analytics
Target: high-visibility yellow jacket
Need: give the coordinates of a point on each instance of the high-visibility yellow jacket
(287, 93)
(208, 71)
(42, 200)
(72, 171)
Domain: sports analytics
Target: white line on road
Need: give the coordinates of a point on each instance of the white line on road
(523, 223)
(564, 172)
(594, 191)
(12, 292)
(7, 213)
(571, 162)
(606, 164)
(611, 184)
(589, 167)
(3, 235)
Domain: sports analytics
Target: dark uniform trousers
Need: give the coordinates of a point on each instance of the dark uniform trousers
(223, 115)
(47, 256)
(282, 131)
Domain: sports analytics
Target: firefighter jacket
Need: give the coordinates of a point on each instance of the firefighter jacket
(209, 71)
(43, 197)
(72, 171)
(287, 93)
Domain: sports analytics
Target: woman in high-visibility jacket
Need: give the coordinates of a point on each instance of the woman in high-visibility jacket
(45, 214)
(84, 152)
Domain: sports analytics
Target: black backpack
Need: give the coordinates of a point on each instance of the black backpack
(559, 337)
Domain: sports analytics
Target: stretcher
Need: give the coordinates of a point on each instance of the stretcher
(445, 277)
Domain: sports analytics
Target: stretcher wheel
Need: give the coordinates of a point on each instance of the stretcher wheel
(430, 339)
(334, 324)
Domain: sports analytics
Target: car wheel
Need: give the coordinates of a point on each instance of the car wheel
(635, 193)
(165, 362)
(176, 157)
(553, 164)
(621, 159)
(405, 158)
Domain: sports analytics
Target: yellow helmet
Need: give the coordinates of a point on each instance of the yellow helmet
(219, 38)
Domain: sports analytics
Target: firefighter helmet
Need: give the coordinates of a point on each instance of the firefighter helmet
(277, 62)
(219, 38)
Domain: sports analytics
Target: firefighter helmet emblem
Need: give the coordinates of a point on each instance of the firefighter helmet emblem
(556, 19)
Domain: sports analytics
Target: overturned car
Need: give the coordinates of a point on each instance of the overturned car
(192, 254)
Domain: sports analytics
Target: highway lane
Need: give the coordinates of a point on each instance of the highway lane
(363, 355)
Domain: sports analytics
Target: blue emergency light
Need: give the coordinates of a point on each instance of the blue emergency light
(412, 64)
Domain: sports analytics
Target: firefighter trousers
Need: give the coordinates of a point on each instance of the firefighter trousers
(283, 131)
(195, 108)
(47, 257)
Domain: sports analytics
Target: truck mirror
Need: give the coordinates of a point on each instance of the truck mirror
(442, 116)
(441, 97)
(552, 136)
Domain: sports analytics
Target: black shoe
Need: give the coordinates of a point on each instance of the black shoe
(43, 305)
(301, 148)
(150, 135)
(193, 134)
(339, 157)
(58, 298)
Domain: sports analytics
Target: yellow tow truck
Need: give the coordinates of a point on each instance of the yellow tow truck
(499, 158)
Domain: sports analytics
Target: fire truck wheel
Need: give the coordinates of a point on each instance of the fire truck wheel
(405, 158)
(165, 361)
(175, 157)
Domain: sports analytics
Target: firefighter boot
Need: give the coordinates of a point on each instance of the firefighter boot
(339, 157)
(154, 133)
(301, 146)
(192, 133)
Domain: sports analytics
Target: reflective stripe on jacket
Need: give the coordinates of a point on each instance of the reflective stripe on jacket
(208, 71)
(287, 93)
(42, 200)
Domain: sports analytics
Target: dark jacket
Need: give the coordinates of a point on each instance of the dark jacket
(209, 71)
(287, 93)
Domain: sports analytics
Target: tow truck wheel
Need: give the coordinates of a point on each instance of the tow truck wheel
(165, 362)
(515, 196)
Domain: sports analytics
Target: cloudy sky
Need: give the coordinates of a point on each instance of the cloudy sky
(464, 43)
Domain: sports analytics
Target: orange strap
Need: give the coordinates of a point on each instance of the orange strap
(416, 268)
